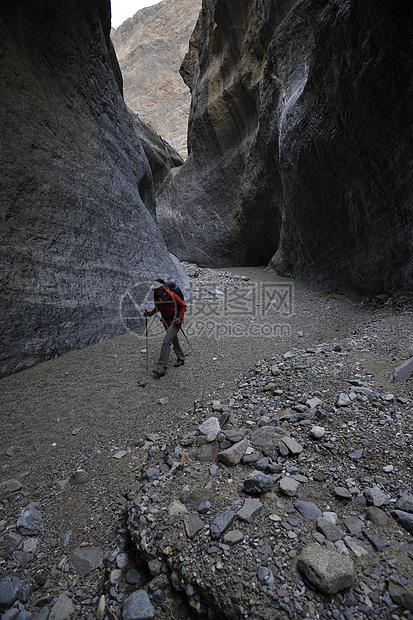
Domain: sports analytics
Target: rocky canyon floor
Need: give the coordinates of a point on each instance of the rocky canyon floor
(101, 460)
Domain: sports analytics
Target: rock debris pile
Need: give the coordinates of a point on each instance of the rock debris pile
(291, 500)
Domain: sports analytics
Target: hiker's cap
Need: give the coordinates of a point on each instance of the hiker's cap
(156, 284)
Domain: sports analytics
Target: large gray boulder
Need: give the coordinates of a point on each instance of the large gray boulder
(299, 142)
(76, 193)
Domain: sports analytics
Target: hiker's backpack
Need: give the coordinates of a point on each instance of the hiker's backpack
(175, 289)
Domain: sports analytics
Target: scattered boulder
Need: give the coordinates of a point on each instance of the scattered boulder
(405, 503)
(221, 523)
(10, 590)
(86, 559)
(249, 509)
(266, 576)
(289, 486)
(292, 445)
(404, 518)
(377, 516)
(210, 428)
(79, 477)
(63, 608)
(176, 508)
(402, 594)
(342, 493)
(326, 570)
(376, 497)
(268, 438)
(193, 525)
(9, 486)
(234, 454)
(30, 520)
(403, 372)
(308, 510)
(138, 607)
(329, 530)
(378, 542)
(343, 400)
(13, 450)
(317, 432)
(258, 483)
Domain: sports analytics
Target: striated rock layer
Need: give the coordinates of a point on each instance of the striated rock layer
(300, 142)
(76, 192)
(150, 47)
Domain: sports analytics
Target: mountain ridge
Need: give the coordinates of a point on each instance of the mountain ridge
(150, 47)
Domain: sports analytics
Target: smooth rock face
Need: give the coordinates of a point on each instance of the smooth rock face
(150, 47)
(327, 570)
(294, 156)
(77, 196)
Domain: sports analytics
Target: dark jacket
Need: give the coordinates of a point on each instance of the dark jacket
(170, 305)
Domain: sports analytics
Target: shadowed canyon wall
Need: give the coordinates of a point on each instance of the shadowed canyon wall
(162, 157)
(300, 142)
(76, 190)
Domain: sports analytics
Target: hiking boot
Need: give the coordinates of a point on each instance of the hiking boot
(159, 372)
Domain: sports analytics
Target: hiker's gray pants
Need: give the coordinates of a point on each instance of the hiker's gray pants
(171, 337)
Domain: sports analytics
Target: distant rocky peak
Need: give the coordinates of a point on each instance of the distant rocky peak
(150, 47)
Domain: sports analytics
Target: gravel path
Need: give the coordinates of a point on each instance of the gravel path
(79, 411)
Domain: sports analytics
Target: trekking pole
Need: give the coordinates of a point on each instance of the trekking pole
(146, 335)
(186, 338)
(190, 346)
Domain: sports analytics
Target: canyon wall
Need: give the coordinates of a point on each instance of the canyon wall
(162, 157)
(76, 190)
(300, 142)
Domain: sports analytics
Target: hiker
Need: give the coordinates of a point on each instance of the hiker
(172, 309)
